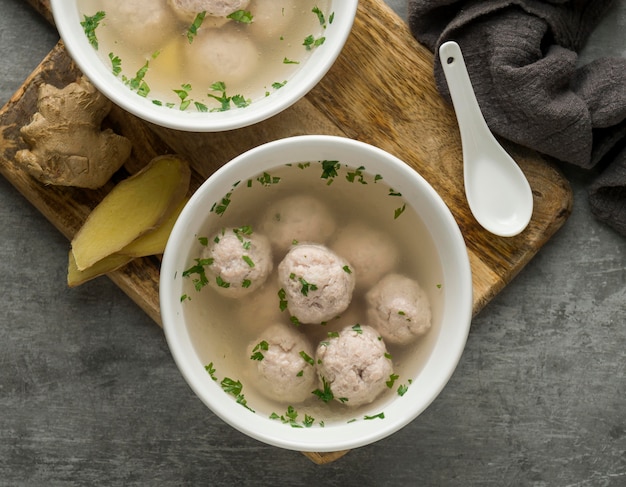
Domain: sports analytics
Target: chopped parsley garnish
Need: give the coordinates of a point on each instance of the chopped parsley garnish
(90, 24)
(357, 176)
(291, 418)
(333, 334)
(192, 31)
(307, 358)
(234, 388)
(205, 241)
(224, 100)
(242, 16)
(277, 84)
(329, 170)
(246, 283)
(257, 351)
(392, 379)
(116, 64)
(376, 416)
(267, 179)
(221, 207)
(211, 370)
(290, 61)
(282, 296)
(248, 260)
(402, 389)
(347, 269)
(357, 328)
(200, 281)
(221, 282)
(306, 286)
(399, 211)
(311, 42)
(320, 15)
(326, 394)
(183, 94)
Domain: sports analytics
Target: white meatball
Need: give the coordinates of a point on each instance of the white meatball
(241, 261)
(142, 23)
(223, 54)
(280, 360)
(318, 284)
(355, 365)
(399, 309)
(372, 252)
(299, 218)
(188, 9)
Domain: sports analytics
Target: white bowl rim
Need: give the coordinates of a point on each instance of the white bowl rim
(450, 342)
(67, 20)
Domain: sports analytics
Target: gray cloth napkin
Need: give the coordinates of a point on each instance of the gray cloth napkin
(522, 59)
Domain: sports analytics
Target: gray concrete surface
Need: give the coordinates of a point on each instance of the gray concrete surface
(89, 394)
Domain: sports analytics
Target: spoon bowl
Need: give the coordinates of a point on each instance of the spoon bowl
(497, 190)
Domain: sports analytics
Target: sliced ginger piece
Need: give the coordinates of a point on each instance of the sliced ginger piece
(134, 207)
(110, 263)
(153, 243)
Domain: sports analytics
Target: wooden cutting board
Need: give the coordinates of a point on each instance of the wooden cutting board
(380, 91)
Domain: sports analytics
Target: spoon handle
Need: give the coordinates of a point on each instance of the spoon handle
(472, 124)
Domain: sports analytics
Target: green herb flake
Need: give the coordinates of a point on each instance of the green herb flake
(392, 379)
(205, 241)
(210, 370)
(241, 16)
(326, 394)
(221, 282)
(356, 175)
(306, 286)
(311, 42)
(399, 211)
(257, 351)
(282, 296)
(377, 178)
(307, 358)
(192, 31)
(376, 416)
(185, 297)
(333, 334)
(290, 61)
(320, 15)
(347, 269)
(116, 64)
(267, 179)
(90, 24)
(357, 328)
(402, 389)
(246, 283)
(248, 260)
(234, 388)
(329, 169)
(200, 281)
(294, 320)
(220, 208)
(278, 85)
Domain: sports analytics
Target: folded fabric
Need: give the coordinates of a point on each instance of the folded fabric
(521, 56)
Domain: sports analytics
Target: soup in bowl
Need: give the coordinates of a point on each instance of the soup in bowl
(316, 293)
(204, 65)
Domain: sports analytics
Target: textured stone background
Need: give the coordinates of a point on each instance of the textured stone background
(89, 394)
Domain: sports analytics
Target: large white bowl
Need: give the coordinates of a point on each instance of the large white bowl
(67, 19)
(453, 298)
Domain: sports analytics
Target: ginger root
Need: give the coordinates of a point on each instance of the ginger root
(134, 207)
(67, 145)
(151, 243)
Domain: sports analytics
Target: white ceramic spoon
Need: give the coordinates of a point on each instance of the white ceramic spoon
(497, 191)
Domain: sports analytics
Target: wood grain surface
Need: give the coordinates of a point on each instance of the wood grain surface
(380, 91)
